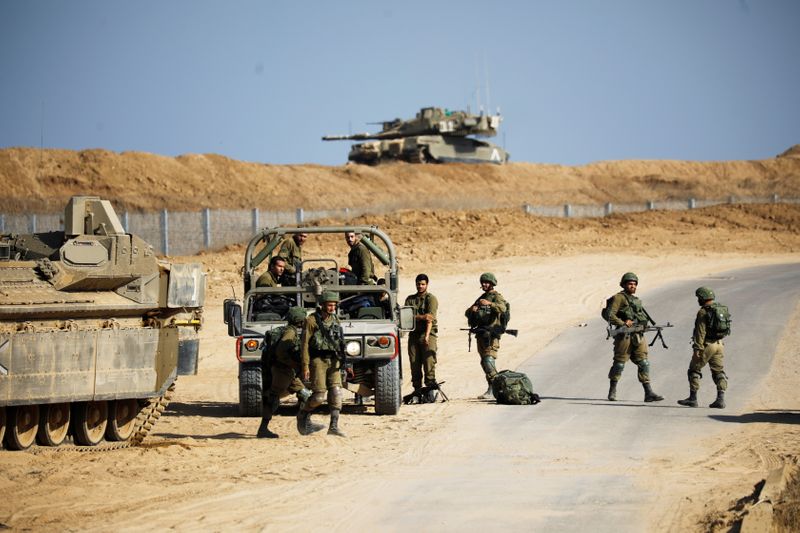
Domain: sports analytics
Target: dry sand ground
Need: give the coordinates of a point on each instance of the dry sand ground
(202, 468)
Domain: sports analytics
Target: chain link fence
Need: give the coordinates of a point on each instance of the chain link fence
(187, 233)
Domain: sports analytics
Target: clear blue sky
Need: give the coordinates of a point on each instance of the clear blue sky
(577, 81)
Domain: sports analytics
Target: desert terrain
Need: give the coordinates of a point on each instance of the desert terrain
(202, 468)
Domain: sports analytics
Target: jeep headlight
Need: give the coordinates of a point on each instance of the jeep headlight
(353, 348)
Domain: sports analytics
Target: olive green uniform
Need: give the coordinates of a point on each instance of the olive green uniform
(422, 355)
(360, 260)
(267, 279)
(320, 355)
(631, 346)
(487, 318)
(707, 350)
(293, 255)
(284, 364)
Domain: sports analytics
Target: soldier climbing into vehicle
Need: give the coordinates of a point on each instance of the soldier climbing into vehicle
(280, 369)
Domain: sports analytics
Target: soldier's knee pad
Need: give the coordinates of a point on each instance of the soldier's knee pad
(316, 399)
(719, 377)
(487, 362)
(303, 394)
(335, 398)
(616, 370)
(694, 374)
(644, 365)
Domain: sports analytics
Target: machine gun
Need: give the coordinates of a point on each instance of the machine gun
(485, 330)
(641, 328)
(421, 394)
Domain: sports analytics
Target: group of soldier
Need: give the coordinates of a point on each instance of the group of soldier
(307, 350)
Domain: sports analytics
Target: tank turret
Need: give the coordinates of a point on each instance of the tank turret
(94, 330)
(434, 135)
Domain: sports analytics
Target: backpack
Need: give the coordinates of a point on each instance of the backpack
(271, 340)
(505, 317)
(719, 320)
(606, 312)
(513, 388)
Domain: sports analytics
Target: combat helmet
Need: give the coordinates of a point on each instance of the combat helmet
(628, 276)
(704, 293)
(296, 315)
(488, 276)
(329, 296)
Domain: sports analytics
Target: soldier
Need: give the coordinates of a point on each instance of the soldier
(320, 354)
(626, 310)
(292, 251)
(707, 348)
(272, 277)
(485, 316)
(422, 340)
(360, 259)
(280, 369)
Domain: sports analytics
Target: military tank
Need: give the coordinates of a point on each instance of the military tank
(435, 135)
(94, 330)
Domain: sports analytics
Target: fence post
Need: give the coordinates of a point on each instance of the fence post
(731, 199)
(299, 216)
(3, 223)
(567, 210)
(207, 228)
(165, 231)
(125, 222)
(609, 208)
(651, 205)
(256, 223)
(775, 198)
(691, 203)
(347, 213)
(526, 207)
(33, 222)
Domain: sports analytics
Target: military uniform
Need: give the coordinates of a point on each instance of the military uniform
(267, 279)
(279, 372)
(707, 349)
(631, 346)
(293, 255)
(319, 355)
(487, 320)
(360, 260)
(422, 355)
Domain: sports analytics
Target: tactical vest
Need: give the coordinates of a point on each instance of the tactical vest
(633, 311)
(485, 315)
(326, 338)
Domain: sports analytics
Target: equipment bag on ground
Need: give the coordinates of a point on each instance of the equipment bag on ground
(513, 388)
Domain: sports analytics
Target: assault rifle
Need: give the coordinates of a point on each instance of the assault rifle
(641, 328)
(485, 330)
(421, 394)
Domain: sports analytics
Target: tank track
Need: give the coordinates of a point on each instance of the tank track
(145, 420)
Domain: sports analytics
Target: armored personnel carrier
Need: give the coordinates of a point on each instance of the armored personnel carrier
(435, 135)
(94, 331)
(370, 315)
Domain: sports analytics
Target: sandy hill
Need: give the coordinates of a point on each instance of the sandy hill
(42, 180)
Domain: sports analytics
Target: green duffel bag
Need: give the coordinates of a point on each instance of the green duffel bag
(513, 388)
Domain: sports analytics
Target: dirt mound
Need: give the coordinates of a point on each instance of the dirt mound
(794, 151)
(43, 180)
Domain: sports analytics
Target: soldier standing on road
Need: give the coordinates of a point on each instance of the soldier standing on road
(485, 315)
(320, 361)
(422, 340)
(272, 277)
(280, 370)
(292, 251)
(360, 259)
(627, 310)
(707, 349)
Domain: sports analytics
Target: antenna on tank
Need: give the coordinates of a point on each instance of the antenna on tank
(486, 73)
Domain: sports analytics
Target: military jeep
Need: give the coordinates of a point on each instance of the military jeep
(371, 317)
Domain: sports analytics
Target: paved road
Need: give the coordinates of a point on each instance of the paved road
(549, 467)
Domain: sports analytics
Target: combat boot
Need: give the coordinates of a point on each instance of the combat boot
(431, 396)
(304, 424)
(649, 395)
(333, 429)
(691, 401)
(719, 403)
(612, 392)
(488, 395)
(264, 431)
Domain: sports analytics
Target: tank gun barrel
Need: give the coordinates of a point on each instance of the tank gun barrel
(354, 137)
